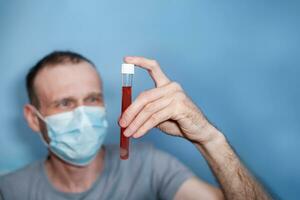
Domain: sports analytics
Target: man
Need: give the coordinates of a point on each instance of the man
(67, 108)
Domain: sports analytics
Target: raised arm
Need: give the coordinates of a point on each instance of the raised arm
(168, 108)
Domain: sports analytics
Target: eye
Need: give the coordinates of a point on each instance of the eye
(65, 103)
(95, 100)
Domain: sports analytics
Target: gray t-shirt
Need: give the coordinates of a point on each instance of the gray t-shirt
(147, 174)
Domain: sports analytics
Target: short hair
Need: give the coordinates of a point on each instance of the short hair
(51, 60)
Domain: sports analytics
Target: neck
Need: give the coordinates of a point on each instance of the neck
(73, 179)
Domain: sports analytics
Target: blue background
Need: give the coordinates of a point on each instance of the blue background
(238, 60)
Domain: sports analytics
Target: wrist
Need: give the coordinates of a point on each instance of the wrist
(213, 137)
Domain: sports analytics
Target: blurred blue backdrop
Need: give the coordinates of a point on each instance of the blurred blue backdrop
(238, 60)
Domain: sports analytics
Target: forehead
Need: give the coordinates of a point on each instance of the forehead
(68, 79)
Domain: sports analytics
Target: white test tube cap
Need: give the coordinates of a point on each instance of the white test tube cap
(127, 68)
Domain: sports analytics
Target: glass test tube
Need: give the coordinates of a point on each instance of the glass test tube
(127, 78)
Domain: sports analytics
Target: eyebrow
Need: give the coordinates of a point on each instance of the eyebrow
(94, 94)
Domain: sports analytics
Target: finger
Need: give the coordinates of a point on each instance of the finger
(145, 114)
(153, 68)
(143, 99)
(154, 120)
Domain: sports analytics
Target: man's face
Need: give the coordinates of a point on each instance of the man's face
(64, 87)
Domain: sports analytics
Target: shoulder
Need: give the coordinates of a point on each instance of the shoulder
(20, 179)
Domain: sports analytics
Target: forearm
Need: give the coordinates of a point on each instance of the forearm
(235, 180)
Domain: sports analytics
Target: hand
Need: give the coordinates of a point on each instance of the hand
(166, 107)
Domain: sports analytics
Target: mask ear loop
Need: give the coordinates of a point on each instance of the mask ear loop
(43, 119)
(39, 114)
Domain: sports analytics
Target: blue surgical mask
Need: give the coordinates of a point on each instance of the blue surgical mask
(76, 136)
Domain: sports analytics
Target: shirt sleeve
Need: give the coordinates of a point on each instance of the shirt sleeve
(168, 174)
(1, 191)
(1, 197)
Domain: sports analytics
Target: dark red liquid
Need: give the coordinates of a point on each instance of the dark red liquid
(124, 141)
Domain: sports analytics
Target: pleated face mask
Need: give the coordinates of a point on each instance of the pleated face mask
(76, 136)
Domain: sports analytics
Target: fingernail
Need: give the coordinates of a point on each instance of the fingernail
(122, 122)
(129, 58)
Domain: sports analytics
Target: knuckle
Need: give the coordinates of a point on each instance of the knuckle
(154, 118)
(142, 96)
(180, 95)
(149, 107)
(176, 85)
(154, 65)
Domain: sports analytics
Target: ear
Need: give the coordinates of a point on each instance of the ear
(31, 118)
